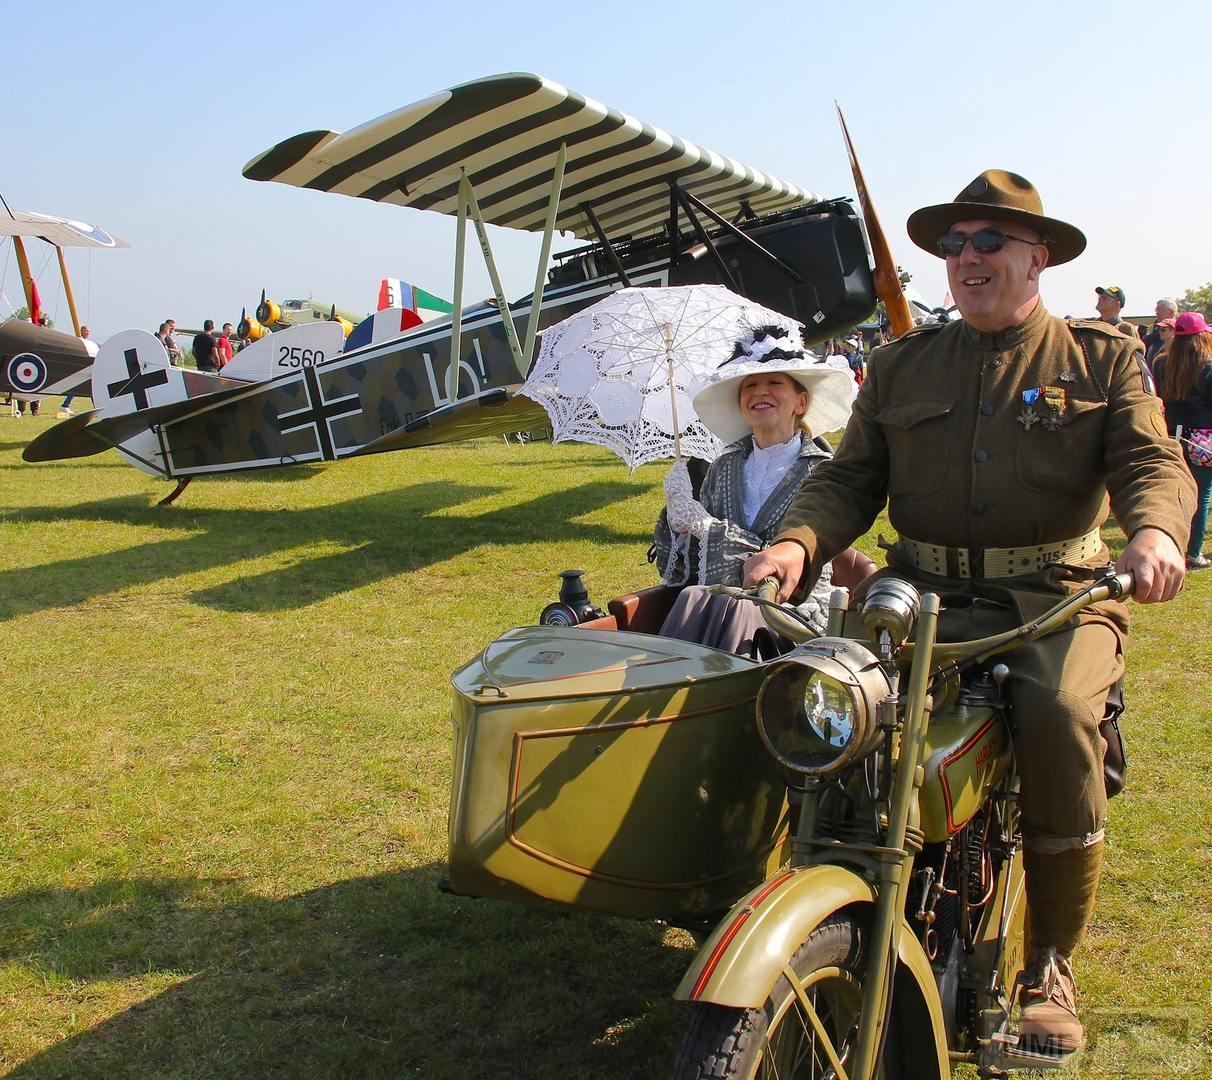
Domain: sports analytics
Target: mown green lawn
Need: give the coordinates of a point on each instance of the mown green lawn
(224, 762)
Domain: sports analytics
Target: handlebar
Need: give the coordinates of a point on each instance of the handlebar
(785, 620)
(781, 618)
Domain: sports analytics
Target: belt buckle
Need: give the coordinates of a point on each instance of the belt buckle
(976, 562)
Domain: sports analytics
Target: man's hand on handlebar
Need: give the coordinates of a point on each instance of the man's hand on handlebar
(783, 561)
(1155, 562)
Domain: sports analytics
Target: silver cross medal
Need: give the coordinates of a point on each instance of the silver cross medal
(1028, 417)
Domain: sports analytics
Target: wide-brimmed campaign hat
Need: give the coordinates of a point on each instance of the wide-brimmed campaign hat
(998, 195)
(830, 389)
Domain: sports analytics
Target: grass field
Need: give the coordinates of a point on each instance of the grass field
(224, 761)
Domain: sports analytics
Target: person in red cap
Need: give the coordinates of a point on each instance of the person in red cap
(1184, 383)
(1110, 303)
(995, 440)
(1165, 311)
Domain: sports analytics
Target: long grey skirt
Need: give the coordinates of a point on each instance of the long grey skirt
(720, 622)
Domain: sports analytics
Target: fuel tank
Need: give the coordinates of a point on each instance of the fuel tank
(611, 772)
(968, 752)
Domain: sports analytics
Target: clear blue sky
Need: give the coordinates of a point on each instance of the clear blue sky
(139, 117)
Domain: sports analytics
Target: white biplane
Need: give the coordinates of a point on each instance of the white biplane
(37, 361)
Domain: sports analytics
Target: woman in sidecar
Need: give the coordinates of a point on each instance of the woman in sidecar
(766, 404)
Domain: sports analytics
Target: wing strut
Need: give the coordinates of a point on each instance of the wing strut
(468, 204)
(456, 323)
(67, 289)
(604, 240)
(724, 223)
(467, 193)
(553, 206)
(704, 239)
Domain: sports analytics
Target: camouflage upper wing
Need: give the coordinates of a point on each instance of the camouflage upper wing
(493, 412)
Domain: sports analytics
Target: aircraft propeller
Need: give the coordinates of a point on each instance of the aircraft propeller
(249, 327)
(268, 311)
(346, 325)
(888, 285)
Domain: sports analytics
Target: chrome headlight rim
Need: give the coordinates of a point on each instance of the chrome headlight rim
(845, 663)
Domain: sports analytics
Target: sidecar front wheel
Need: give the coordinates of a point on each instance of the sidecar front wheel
(779, 1040)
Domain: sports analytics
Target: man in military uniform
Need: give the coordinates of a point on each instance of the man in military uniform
(994, 440)
(1110, 303)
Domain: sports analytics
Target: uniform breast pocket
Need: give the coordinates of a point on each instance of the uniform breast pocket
(916, 433)
(1064, 459)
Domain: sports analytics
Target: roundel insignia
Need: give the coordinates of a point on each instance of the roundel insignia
(26, 373)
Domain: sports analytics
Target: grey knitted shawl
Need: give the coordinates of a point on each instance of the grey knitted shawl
(720, 557)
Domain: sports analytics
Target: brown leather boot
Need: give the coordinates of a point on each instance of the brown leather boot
(1047, 1019)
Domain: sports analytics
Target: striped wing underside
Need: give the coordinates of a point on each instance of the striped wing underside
(505, 130)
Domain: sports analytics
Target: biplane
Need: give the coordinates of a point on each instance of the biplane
(37, 361)
(518, 151)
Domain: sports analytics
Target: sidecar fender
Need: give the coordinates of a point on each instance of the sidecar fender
(740, 962)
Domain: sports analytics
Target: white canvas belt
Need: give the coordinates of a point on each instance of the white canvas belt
(997, 562)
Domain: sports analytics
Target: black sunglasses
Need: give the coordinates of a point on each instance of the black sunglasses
(984, 241)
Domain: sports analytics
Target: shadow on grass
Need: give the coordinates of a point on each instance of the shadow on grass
(382, 535)
(377, 976)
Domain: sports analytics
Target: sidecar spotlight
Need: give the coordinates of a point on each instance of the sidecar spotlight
(816, 708)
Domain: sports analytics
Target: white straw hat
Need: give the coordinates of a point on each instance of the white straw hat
(830, 389)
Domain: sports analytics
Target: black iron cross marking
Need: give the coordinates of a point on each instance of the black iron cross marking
(137, 383)
(319, 414)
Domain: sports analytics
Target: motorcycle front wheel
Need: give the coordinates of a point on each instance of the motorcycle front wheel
(780, 1040)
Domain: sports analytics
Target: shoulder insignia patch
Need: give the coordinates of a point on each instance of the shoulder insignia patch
(1146, 376)
(1159, 423)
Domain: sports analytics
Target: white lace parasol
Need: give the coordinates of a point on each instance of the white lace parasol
(606, 375)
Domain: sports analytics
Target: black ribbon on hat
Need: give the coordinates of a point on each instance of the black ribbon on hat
(761, 333)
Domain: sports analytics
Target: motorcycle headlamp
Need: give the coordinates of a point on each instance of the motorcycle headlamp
(816, 709)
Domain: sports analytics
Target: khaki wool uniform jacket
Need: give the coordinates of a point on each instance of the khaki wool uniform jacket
(1126, 328)
(936, 434)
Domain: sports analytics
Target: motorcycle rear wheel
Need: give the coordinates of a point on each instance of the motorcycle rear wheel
(777, 1040)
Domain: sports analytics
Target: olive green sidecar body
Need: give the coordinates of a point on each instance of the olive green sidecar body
(614, 772)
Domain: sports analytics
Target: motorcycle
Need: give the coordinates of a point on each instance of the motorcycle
(839, 823)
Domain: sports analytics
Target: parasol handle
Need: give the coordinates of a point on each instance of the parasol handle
(673, 393)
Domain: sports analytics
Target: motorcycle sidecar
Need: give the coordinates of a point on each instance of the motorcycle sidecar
(613, 771)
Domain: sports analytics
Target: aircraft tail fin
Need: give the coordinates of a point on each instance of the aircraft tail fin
(132, 373)
(395, 293)
(304, 345)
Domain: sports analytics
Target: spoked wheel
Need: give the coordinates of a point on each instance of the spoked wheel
(805, 1030)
